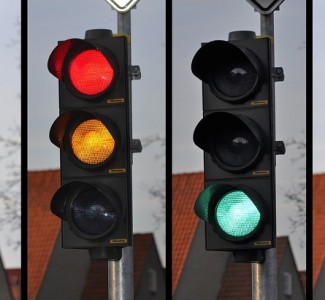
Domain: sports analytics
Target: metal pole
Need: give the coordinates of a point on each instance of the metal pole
(264, 275)
(120, 273)
(120, 276)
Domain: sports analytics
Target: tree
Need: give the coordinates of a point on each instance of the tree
(10, 143)
(10, 195)
(297, 193)
(158, 190)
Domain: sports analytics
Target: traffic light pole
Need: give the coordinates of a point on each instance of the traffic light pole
(120, 273)
(264, 275)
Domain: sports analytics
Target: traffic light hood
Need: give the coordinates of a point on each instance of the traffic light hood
(60, 52)
(232, 71)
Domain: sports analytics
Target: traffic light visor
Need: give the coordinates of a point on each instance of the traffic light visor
(232, 72)
(58, 55)
(201, 207)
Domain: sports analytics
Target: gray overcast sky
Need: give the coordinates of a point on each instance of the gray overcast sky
(52, 21)
(10, 113)
(318, 87)
(195, 22)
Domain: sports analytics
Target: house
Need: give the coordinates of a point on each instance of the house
(201, 274)
(14, 278)
(5, 290)
(318, 236)
(56, 273)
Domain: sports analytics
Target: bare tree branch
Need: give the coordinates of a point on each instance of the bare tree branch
(297, 194)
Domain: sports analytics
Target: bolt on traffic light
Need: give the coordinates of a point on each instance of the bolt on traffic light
(93, 134)
(237, 136)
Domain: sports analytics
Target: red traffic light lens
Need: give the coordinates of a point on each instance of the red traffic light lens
(90, 72)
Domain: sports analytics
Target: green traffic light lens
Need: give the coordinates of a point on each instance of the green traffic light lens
(237, 215)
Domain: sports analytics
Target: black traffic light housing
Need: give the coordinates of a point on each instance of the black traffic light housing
(93, 134)
(237, 136)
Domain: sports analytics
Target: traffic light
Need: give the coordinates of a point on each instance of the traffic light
(93, 134)
(237, 136)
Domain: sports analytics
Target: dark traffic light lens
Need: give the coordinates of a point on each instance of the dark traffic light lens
(234, 77)
(93, 214)
(236, 214)
(90, 72)
(235, 142)
(91, 142)
(235, 145)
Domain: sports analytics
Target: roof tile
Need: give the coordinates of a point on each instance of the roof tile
(185, 189)
(318, 224)
(43, 226)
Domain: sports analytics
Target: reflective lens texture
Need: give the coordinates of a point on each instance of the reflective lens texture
(235, 145)
(234, 76)
(90, 72)
(93, 214)
(91, 142)
(237, 214)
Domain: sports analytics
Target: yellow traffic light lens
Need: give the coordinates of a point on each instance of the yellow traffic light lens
(91, 142)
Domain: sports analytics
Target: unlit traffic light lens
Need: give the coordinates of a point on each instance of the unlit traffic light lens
(93, 214)
(237, 215)
(235, 76)
(91, 142)
(235, 144)
(90, 72)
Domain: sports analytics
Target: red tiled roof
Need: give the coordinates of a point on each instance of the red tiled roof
(96, 283)
(318, 224)
(43, 226)
(185, 189)
(141, 247)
